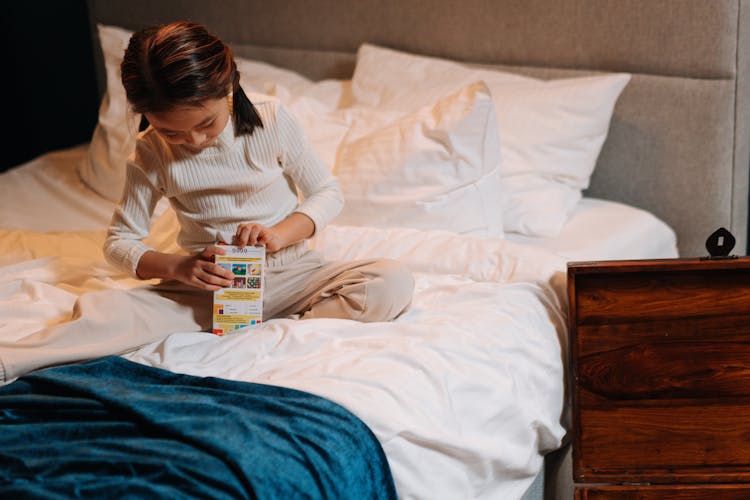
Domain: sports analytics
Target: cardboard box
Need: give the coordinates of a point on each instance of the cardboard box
(240, 305)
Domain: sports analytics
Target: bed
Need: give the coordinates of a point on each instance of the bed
(583, 130)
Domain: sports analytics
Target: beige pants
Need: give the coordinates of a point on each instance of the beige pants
(298, 281)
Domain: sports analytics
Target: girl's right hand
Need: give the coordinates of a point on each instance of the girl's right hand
(200, 271)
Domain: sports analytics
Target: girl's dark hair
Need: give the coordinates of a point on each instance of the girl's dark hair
(182, 64)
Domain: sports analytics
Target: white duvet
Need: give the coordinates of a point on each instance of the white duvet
(464, 390)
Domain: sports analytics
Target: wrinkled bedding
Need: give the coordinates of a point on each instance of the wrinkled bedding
(464, 391)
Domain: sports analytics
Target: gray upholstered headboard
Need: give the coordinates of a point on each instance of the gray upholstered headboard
(679, 144)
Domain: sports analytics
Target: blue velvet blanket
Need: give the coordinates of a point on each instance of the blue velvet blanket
(111, 428)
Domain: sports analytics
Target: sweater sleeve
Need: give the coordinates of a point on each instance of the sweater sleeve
(322, 197)
(131, 221)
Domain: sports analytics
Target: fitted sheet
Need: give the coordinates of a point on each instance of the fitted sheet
(607, 230)
(47, 194)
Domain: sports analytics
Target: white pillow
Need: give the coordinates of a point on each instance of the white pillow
(314, 105)
(103, 167)
(264, 78)
(551, 131)
(324, 123)
(436, 168)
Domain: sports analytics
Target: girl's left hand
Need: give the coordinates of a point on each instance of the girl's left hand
(258, 234)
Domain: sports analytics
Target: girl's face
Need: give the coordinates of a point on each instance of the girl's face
(196, 127)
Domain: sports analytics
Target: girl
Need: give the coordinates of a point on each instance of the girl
(231, 170)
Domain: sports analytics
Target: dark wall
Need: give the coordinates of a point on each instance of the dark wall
(50, 99)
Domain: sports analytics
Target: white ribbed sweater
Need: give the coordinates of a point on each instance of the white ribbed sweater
(250, 178)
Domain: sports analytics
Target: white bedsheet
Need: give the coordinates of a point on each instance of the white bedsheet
(607, 230)
(46, 194)
(464, 390)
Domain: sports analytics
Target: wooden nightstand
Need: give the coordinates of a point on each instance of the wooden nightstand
(660, 353)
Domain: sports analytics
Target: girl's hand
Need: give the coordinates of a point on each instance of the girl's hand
(200, 271)
(258, 234)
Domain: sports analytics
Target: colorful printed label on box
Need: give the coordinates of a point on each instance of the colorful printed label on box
(241, 304)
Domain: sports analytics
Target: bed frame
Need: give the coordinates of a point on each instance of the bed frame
(679, 143)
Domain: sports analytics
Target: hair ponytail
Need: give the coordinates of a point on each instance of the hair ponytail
(143, 123)
(244, 115)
